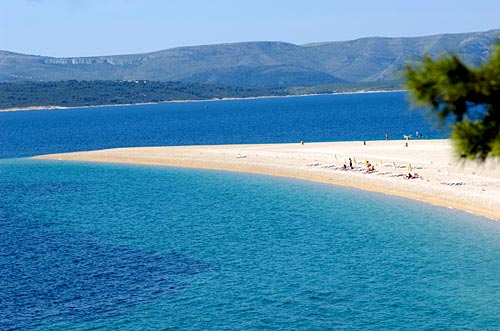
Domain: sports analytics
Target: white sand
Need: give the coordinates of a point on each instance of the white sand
(444, 179)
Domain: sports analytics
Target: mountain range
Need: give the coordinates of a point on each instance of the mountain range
(261, 64)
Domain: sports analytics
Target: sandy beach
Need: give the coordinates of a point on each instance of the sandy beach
(442, 178)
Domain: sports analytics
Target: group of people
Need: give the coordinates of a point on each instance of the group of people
(369, 167)
(410, 176)
(417, 135)
(344, 167)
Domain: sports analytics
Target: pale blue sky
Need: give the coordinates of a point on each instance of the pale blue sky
(107, 27)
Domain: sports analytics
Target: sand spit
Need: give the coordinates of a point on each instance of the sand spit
(442, 178)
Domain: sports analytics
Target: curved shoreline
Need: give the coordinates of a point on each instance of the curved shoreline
(443, 181)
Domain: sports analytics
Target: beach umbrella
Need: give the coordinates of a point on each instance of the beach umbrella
(409, 167)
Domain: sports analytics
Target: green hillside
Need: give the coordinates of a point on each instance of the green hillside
(255, 63)
(88, 93)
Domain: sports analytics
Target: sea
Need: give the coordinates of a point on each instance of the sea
(127, 247)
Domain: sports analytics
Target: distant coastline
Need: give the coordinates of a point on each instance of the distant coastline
(38, 108)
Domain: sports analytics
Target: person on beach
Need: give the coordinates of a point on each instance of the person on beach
(369, 167)
(350, 163)
(386, 136)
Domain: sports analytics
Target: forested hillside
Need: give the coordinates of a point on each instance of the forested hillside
(263, 64)
(89, 93)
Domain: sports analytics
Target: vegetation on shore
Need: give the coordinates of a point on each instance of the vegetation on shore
(74, 93)
(469, 96)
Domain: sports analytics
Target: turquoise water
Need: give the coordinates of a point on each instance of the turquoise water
(101, 247)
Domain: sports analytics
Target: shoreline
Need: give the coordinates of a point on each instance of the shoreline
(442, 180)
(37, 108)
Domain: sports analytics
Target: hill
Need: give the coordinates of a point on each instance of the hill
(263, 64)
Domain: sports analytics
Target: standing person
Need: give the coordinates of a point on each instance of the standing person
(350, 163)
(386, 136)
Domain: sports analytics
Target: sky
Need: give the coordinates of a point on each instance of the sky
(64, 28)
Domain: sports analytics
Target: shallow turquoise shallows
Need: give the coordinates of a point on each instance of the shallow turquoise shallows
(111, 247)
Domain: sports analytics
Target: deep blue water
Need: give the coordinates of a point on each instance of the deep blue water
(275, 120)
(106, 247)
(101, 247)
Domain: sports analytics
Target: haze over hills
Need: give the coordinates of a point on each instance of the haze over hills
(261, 64)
